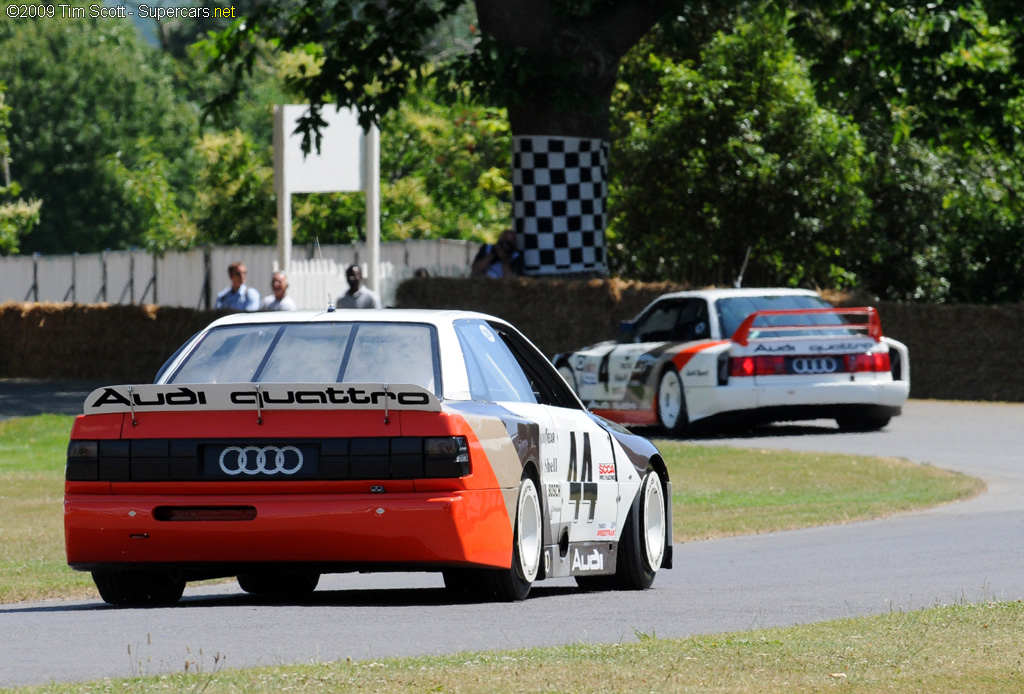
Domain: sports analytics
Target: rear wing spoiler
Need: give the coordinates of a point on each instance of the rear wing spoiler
(869, 325)
(260, 396)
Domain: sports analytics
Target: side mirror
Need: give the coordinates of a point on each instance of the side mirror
(626, 329)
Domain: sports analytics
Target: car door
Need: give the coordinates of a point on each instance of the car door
(606, 375)
(577, 461)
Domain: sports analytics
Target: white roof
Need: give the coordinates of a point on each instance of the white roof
(715, 294)
(342, 315)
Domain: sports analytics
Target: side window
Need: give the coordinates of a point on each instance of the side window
(658, 324)
(494, 374)
(693, 321)
(548, 386)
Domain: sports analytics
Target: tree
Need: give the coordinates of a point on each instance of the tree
(17, 217)
(729, 168)
(235, 201)
(936, 93)
(141, 178)
(552, 64)
(82, 91)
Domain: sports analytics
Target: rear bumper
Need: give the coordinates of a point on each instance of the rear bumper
(354, 531)
(788, 401)
(796, 413)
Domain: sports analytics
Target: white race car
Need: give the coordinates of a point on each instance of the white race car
(756, 355)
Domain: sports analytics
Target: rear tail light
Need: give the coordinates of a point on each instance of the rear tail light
(445, 456)
(154, 460)
(876, 362)
(757, 366)
(741, 367)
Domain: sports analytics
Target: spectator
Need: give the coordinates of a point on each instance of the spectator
(421, 273)
(501, 259)
(278, 302)
(358, 296)
(238, 297)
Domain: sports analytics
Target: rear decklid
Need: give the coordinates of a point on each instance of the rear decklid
(809, 344)
(286, 431)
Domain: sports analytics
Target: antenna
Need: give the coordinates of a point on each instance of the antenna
(739, 278)
(320, 253)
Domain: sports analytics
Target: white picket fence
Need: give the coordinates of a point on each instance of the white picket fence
(193, 278)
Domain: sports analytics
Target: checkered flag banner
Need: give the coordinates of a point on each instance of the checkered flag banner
(560, 199)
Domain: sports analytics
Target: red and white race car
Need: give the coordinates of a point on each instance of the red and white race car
(755, 355)
(279, 446)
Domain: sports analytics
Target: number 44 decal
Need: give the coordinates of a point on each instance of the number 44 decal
(582, 486)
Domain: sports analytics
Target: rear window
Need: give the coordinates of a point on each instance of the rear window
(315, 353)
(733, 311)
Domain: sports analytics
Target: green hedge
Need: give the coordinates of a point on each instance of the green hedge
(957, 352)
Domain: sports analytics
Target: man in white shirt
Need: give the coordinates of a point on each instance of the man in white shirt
(278, 301)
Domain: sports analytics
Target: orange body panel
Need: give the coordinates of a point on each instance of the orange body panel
(432, 522)
(681, 358)
(469, 527)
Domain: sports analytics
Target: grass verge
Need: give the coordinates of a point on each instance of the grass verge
(717, 491)
(948, 650)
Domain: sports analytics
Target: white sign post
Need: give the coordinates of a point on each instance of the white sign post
(348, 161)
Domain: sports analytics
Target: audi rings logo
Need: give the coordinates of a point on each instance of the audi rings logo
(257, 460)
(815, 365)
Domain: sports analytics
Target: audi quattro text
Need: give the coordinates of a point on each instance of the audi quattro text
(752, 355)
(278, 447)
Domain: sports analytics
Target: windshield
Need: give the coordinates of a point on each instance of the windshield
(732, 311)
(315, 353)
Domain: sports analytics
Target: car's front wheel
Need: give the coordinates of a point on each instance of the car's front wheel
(672, 403)
(139, 588)
(642, 545)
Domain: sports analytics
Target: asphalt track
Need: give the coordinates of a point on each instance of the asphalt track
(965, 552)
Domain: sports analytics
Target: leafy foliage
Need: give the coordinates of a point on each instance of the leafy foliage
(148, 197)
(728, 159)
(235, 201)
(83, 91)
(872, 144)
(936, 93)
(359, 54)
(17, 217)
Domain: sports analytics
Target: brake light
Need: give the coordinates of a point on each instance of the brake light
(446, 456)
(876, 362)
(757, 366)
(869, 362)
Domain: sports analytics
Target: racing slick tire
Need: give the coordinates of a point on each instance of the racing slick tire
(862, 423)
(279, 582)
(672, 413)
(514, 583)
(642, 547)
(139, 588)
